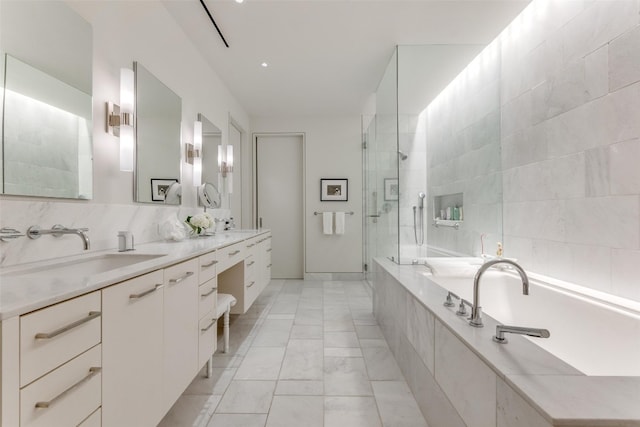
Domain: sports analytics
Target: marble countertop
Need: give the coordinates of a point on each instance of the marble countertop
(22, 294)
(562, 394)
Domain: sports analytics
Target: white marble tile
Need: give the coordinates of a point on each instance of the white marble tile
(623, 167)
(271, 338)
(364, 343)
(309, 317)
(420, 331)
(261, 363)
(514, 411)
(341, 339)
(238, 420)
(396, 404)
(368, 332)
(216, 384)
(597, 179)
(342, 352)
(597, 72)
(346, 376)
(381, 365)
(306, 332)
(303, 360)
(624, 59)
(300, 387)
(344, 325)
(469, 384)
(247, 397)
(191, 411)
(294, 411)
(284, 307)
(351, 411)
(624, 273)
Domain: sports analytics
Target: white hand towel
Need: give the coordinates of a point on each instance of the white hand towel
(340, 223)
(327, 222)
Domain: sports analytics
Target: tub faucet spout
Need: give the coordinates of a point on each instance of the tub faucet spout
(532, 332)
(476, 310)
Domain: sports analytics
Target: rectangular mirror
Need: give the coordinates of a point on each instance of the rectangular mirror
(158, 119)
(47, 105)
(211, 139)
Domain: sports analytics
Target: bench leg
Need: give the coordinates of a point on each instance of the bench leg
(226, 329)
(209, 372)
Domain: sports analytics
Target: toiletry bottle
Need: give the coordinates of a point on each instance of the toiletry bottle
(499, 250)
(456, 213)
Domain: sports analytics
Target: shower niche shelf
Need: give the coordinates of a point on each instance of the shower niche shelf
(444, 210)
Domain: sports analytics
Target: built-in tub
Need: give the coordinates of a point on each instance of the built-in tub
(596, 337)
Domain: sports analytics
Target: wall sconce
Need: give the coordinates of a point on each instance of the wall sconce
(120, 119)
(225, 167)
(194, 153)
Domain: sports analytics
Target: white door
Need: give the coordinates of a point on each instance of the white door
(235, 199)
(279, 201)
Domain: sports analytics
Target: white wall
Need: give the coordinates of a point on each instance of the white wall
(124, 32)
(333, 149)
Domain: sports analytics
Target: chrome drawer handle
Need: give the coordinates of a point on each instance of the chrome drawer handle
(251, 284)
(251, 245)
(210, 292)
(269, 250)
(269, 266)
(251, 263)
(234, 253)
(213, 322)
(145, 293)
(47, 335)
(93, 371)
(180, 279)
(214, 262)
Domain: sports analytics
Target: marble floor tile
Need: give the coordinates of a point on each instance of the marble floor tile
(247, 397)
(300, 388)
(284, 307)
(342, 352)
(216, 384)
(261, 363)
(365, 343)
(296, 411)
(381, 365)
(351, 411)
(191, 411)
(345, 325)
(397, 405)
(308, 317)
(238, 420)
(303, 360)
(226, 360)
(341, 339)
(369, 332)
(346, 376)
(306, 332)
(271, 338)
(280, 316)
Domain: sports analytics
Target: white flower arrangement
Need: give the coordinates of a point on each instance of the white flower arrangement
(200, 222)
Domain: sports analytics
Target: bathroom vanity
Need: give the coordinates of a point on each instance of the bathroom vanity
(109, 339)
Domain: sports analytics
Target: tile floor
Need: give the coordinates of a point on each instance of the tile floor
(307, 353)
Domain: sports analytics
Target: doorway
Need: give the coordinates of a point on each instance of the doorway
(280, 200)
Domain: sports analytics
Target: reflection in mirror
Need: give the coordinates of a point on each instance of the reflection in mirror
(209, 196)
(47, 114)
(158, 118)
(211, 139)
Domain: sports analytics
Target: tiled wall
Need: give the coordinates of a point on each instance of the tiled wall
(570, 95)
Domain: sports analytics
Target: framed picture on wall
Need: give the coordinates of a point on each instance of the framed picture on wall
(391, 189)
(159, 187)
(334, 189)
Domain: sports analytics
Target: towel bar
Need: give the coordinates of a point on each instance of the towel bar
(346, 213)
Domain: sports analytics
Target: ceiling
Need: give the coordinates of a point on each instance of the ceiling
(326, 57)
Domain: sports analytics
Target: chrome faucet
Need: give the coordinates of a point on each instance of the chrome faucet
(532, 332)
(476, 309)
(35, 232)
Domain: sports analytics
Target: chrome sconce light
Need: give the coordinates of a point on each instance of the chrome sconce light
(194, 152)
(225, 167)
(120, 119)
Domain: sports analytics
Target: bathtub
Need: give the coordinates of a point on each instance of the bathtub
(596, 336)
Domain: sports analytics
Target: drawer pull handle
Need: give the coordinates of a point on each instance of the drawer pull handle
(269, 266)
(234, 253)
(251, 245)
(213, 322)
(47, 335)
(210, 292)
(251, 284)
(180, 279)
(269, 250)
(145, 293)
(214, 262)
(251, 263)
(93, 371)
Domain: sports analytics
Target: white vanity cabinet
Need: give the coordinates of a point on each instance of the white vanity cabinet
(207, 295)
(180, 346)
(132, 333)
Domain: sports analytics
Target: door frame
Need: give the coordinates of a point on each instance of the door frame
(303, 137)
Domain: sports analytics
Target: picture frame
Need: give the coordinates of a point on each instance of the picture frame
(391, 189)
(159, 187)
(334, 189)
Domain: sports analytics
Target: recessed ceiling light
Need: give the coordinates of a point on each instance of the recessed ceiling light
(264, 65)
(239, 1)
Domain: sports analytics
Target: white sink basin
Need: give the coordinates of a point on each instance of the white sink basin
(85, 266)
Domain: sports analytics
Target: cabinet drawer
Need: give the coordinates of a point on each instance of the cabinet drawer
(207, 267)
(94, 420)
(230, 255)
(65, 396)
(207, 294)
(55, 334)
(207, 338)
(250, 266)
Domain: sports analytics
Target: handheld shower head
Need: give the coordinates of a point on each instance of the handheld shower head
(421, 195)
(402, 155)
